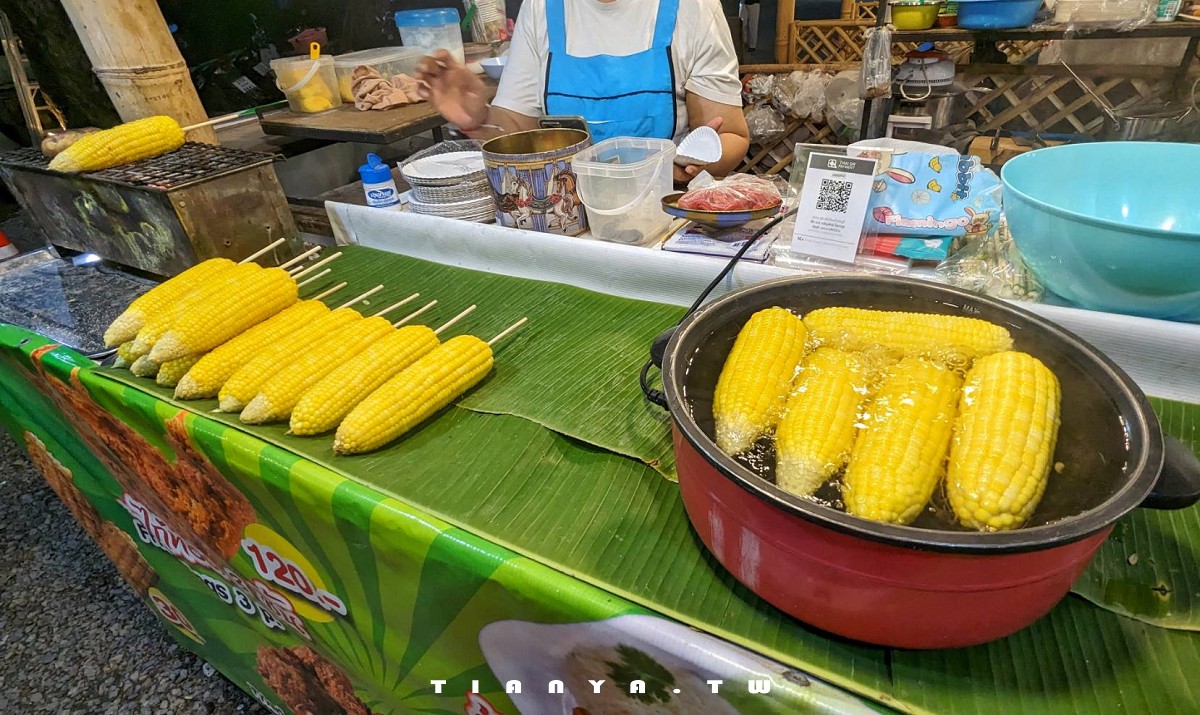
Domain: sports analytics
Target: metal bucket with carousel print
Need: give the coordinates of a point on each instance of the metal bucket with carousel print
(532, 180)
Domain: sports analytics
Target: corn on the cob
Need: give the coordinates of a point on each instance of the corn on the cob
(203, 327)
(170, 372)
(1004, 437)
(216, 291)
(121, 363)
(754, 383)
(161, 296)
(326, 404)
(246, 381)
(143, 367)
(124, 354)
(124, 143)
(208, 375)
(949, 339)
(414, 395)
(818, 428)
(279, 395)
(899, 458)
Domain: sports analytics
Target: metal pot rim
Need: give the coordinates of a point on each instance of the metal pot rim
(1145, 464)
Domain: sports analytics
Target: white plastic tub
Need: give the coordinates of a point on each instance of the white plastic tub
(309, 85)
(621, 183)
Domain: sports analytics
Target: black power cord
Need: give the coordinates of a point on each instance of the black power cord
(659, 346)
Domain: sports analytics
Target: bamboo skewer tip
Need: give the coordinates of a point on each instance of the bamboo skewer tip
(508, 331)
(329, 292)
(262, 251)
(412, 316)
(310, 279)
(318, 264)
(393, 306)
(287, 265)
(364, 296)
(455, 319)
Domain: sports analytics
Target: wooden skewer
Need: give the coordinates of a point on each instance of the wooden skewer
(412, 316)
(393, 306)
(455, 319)
(331, 291)
(310, 279)
(508, 330)
(262, 251)
(301, 257)
(317, 265)
(364, 296)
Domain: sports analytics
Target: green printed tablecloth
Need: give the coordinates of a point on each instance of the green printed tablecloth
(513, 540)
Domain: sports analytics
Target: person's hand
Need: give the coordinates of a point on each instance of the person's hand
(453, 90)
(684, 174)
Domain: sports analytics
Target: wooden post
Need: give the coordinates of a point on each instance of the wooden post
(848, 9)
(137, 61)
(785, 15)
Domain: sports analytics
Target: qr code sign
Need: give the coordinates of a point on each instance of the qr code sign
(833, 196)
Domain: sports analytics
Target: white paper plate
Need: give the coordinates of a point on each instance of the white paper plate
(440, 167)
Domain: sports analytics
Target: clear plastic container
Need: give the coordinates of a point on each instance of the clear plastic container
(309, 85)
(1116, 13)
(388, 61)
(621, 183)
(431, 30)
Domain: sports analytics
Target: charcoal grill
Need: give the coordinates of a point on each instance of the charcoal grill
(159, 215)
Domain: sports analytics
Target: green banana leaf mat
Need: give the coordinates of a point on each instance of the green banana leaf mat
(558, 457)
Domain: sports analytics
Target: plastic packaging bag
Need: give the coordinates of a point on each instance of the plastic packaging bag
(809, 98)
(875, 80)
(785, 91)
(992, 266)
(758, 87)
(736, 192)
(765, 124)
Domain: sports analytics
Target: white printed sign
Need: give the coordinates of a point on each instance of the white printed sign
(833, 206)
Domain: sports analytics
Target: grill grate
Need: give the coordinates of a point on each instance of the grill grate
(191, 163)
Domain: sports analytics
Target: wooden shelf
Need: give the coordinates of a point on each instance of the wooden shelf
(1178, 28)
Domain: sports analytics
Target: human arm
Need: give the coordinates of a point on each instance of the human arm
(730, 125)
(458, 95)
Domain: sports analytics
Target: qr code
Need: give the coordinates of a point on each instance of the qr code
(833, 196)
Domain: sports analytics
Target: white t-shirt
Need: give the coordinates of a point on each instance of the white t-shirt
(701, 50)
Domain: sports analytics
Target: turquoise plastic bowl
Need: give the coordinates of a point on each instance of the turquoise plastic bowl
(1111, 226)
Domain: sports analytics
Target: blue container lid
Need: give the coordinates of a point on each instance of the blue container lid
(375, 171)
(427, 18)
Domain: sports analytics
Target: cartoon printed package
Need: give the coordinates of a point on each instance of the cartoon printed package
(927, 190)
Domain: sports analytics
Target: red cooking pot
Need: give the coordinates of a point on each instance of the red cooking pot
(912, 586)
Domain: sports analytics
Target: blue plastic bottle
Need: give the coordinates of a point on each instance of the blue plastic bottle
(378, 184)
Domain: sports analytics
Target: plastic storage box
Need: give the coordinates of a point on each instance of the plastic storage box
(309, 85)
(997, 14)
(388, 61)
(1106, 12)
(621, 183)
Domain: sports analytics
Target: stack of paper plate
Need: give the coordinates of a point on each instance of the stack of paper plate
(452, 185)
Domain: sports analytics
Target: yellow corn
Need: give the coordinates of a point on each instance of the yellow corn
(279, 395)
(208, 375)
(170, 372)
(124, 143)
(121, 363)
(1004, 439)
(124, 354)
(246, 304)
(158, 298)
(949, 339)
(819, 425)
(414, 395)
(143, 367)
(898, 459)
(754, 383)
(326, 404)
(247, 380)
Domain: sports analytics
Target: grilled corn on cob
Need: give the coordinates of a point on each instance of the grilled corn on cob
(246, 381)
(1003, 444)
(898, 459)
(161, 296)
(948, 339)
(279, 394)
(244, 304)
(124, 143)
(414, 395)
(170, 372)
(820, 422)
(326, 404)
(754, 383)
(209, 373)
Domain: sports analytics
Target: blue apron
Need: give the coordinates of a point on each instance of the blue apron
(631, 96)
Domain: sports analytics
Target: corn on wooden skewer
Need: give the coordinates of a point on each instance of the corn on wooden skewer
(297, 273)
(323, 406)
(170, 373)
(203, 327)
(210, 373)
(1003, 445)
(125, 328)
(244, 383)
(753, 387)
(818, 428)
(317, 277)
(899, 458)
(263, 251)
(144, 367)
(949, 339)
(287, 266)
(122, 144)
(417, 392)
